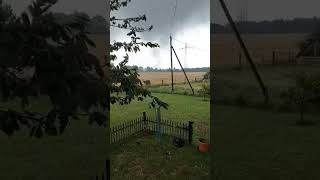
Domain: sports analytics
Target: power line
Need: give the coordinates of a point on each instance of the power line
(194, 47)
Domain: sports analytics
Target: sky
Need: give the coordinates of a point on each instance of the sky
(266, 9)
(188, 23)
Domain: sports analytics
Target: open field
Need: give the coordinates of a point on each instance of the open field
(225, 47)
(231, 84)
(254, 144)
(178, 77)
(182, 89)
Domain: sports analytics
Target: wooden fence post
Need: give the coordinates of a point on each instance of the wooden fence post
(107, 176)
(289, 56)
(158, 123)
(162, 82)
(190, 131)
(273, 57)
(144, 120)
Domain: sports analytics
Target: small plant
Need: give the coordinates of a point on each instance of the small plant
(203, 132)
(205, 90)
(306, 91)
(206, 76)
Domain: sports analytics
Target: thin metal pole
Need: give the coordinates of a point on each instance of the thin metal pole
(183, 70)
(171, 64)
(245, 50)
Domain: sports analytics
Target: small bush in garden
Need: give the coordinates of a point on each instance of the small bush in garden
(306, 91)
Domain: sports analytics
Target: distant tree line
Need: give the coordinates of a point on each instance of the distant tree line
(150, 69)
(96, 25)
(296, 25)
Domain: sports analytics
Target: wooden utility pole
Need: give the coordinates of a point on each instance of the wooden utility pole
(183, 71)
(171, 64)
(245, 50)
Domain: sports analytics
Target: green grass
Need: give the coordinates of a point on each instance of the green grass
(230, 84)
(79, 153)
(181, 109)
(154, 161)
(182, 89)
(250, 144)
(147, 160)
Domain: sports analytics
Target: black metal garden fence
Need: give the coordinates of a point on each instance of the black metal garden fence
(146, 124)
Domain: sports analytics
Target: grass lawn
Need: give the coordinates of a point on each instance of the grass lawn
(231, 84)
(250, 144)
(80, 153)
(181, 108)
(148, 159)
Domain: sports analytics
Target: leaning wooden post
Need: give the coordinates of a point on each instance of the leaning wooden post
(190, 128)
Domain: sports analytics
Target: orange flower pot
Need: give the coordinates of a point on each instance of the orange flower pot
(203, 146)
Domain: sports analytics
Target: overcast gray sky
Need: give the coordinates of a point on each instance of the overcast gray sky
(267, 9)
(190, 24)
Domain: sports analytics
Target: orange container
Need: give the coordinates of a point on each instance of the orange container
(203, 146)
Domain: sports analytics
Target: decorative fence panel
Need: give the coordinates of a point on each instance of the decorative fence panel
(147, 124)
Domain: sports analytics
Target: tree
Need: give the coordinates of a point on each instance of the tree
(41, 56)
(126, 85)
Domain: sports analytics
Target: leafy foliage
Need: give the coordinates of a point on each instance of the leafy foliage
(41, 56)
(126, 84)
(306, 91)
(205, 90)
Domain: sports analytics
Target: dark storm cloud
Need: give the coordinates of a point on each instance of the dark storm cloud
(267, 9)
(160, 14)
